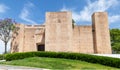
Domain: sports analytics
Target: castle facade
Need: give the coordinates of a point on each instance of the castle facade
(58, 34)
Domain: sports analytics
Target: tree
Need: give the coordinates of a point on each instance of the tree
(116, 47)
(115, 40)
(7, 26)
(73, 23)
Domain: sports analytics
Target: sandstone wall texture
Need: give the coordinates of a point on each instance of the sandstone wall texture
(83, 39)
(101, 33)
(59, 35)
(17, 43)
(29, 36)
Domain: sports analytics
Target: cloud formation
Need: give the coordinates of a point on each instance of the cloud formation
(3, 8)
(25, 13)
(91, 7)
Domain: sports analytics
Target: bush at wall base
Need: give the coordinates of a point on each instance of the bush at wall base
(108, 61)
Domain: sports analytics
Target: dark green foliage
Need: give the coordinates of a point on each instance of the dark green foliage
(108, 61)
(73, 23)
(116, 47)
(115, 40)
(1, 57)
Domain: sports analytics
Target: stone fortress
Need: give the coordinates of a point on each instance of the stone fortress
(58, 34)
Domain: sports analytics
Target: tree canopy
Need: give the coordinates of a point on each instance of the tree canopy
(115, 40)
(7, 26)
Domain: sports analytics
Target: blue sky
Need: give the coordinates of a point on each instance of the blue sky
(33, 11)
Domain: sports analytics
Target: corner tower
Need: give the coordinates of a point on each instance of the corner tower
(58, 34)
(101, 35)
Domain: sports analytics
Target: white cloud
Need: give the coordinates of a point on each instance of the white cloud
(91, 7)
(114, 18)
(25, 13)
(67, 9)
(3, 8)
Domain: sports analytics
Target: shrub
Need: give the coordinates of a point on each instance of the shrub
(108, 61)
(1, 57)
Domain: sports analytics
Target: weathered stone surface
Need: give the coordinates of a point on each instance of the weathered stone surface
(101, 33)
(58, 31)
(83, 39)
(59, 35)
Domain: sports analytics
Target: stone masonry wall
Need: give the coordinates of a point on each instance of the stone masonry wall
(83, 39)
(29, 43)
(27, 38)
(58, 34)
(101, 33)
(17, 43)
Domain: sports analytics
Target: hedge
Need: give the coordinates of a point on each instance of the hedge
(108, 61)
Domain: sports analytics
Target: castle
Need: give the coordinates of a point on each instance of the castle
(58, 34)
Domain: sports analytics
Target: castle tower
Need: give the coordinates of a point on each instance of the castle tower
(58, 36)
(101, 35)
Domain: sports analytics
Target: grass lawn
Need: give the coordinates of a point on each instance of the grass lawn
(56, 63)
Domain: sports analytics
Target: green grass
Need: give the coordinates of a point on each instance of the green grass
(56, 63)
